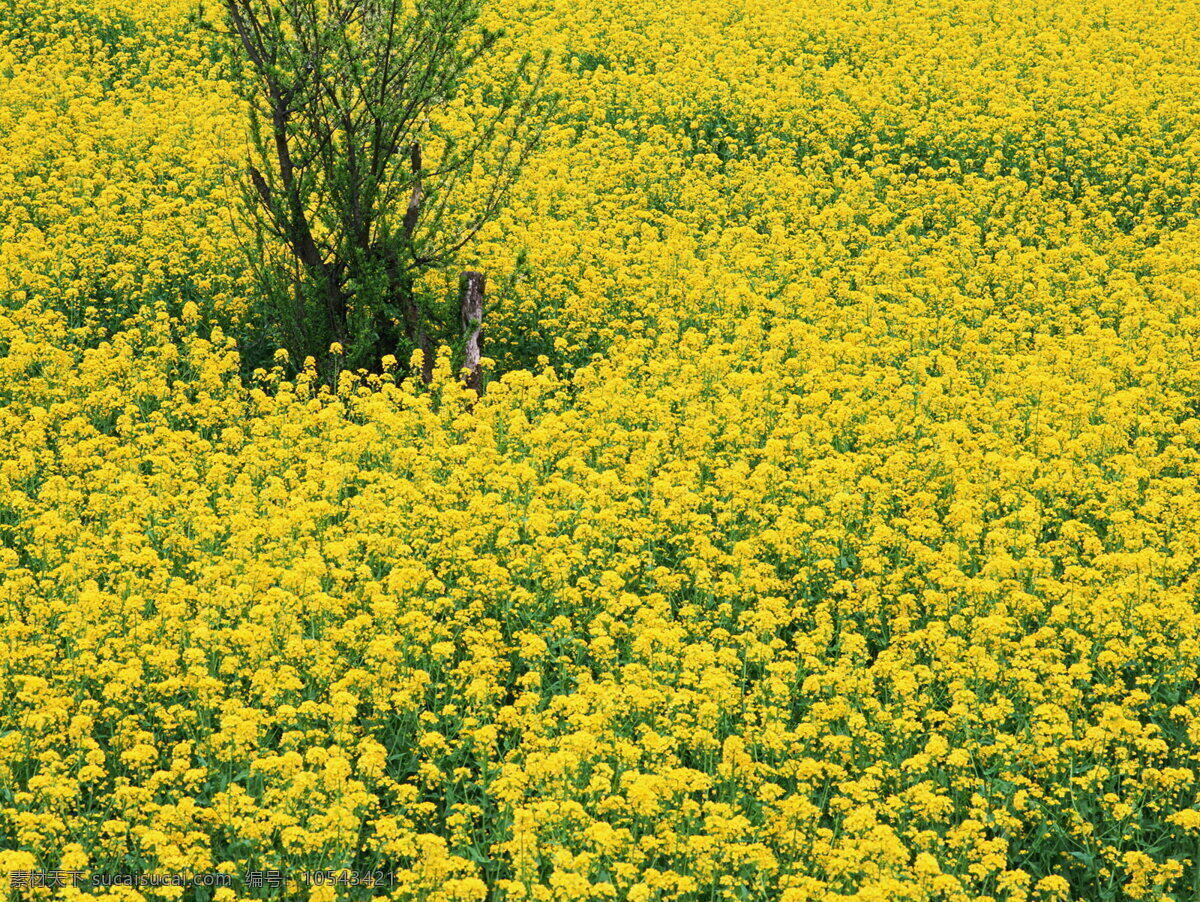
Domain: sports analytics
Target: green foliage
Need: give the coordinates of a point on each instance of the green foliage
(365, 163)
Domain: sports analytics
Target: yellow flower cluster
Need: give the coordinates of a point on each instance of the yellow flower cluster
(849, 551)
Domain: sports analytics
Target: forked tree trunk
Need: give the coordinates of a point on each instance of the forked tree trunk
(339, 93)
(402, 293)
(471, 313)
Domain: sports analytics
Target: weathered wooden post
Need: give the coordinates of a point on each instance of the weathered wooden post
(471, 312)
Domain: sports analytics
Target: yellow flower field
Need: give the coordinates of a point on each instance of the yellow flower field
(842, 544)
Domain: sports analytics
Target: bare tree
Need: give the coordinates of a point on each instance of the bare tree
(347, 204)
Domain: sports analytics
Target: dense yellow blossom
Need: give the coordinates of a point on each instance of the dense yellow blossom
(844, 545)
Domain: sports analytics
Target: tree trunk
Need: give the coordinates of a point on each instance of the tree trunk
(471, 314)
(402, 293)
(416, 328)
